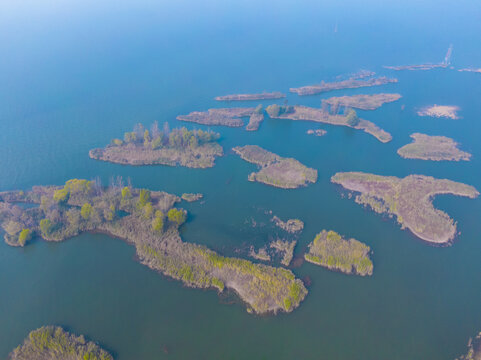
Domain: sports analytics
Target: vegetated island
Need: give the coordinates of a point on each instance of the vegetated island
(227, 117)
(331, 250)
(248, 97)
(474, 349)
(291, 225)
(286, 248)
(316, 132)
(447, 111)
(286, 173)
(54, 343)
(410, 199)
(437, 148)
(339, 85)
(176, 147)
(363, 102)
(149, 221)
(325, 115)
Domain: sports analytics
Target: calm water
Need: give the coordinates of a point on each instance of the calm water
(74, 76)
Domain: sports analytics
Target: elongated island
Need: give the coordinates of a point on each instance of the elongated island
(54, 343)
(332, 251)
(436, 148)
(439, 111)
(176, 147)
(409, 199)
(340, 85)
(363, 102)
(249, 97)
(285, 173)
(324, 115)
(231, 117)
(149, 221)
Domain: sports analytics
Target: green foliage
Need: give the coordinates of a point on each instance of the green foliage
(275, 110)
(144, 198)
(54, 343)
(157, 143)
(126, 194)
(158, 224)
(130, 137)
(61, 195)
(117, 142)
(24, 236)
(176, 216)
(86, 211)
(46, 227)
(258, 109)
(351, 118)
(148, 210)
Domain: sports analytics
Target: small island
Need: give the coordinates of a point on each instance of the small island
(291, 225)
(324, 115)
(446, 111)
(176, 147)
(436, 148)
(150, 222)
(249, 97)
(474, 70)
(417, 67)
(54, 343)
(331, 250)
(285, 173)
(226, 117)
(286, 248)
(351, 83)
(409, 199)
(191, 197)
(474, 349)
(363, 102)
(316, 132)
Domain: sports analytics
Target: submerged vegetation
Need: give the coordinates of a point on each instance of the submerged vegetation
(291, 225)
(54, 343)
(437, 148)
(190, 148)
(410, 199)
(286, 173)
(150, 221)
(331, 250)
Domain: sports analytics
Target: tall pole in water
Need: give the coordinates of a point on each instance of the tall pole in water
(447, 58)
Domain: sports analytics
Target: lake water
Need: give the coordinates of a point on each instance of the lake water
(75, 74)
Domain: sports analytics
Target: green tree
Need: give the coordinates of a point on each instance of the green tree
(176, 216)
(86, 211)
(273, 110)
(193, 143)
(61, 195)
(126, 194)
(147, 138)
(24, 236)
(156, 143)
(144, 198)
(158, 224)
(148, 210)
(352, 118)
(258, 109)
(46, 226)
(117, 142)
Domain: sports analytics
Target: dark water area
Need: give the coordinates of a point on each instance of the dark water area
(77, 74)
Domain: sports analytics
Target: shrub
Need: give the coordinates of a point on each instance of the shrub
(86, 211)
(46, 226)
(176, 216)
(24, 236)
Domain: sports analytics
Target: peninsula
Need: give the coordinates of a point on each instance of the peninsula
(226, 117)
(285, 173)
(249, 97)
(409, 199)
(363, 102)
(331, 250)
(438, 111)
(149, 221)
(176, 147)
(322, 115)
(435, 148)
(339, 85)
(54, 343)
